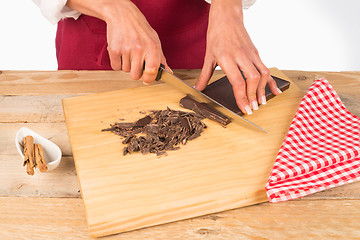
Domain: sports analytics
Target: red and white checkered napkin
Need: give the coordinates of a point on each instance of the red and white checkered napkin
(321, 149)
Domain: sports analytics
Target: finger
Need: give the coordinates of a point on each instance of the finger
(273, 87)
(163, 61)
(137, 63)
(252, 76)
(264, 76)
(115, 60)
(152, 63)
(238, 83)
(206, 73)
(126, 62)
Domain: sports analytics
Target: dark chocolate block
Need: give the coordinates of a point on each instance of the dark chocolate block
(222, 92)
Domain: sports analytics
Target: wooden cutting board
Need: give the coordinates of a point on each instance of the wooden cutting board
(223, 169)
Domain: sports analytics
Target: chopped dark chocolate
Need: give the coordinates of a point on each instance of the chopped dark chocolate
(125, 151)
(158, 132)
(204, 110)
(142, 122)
(128, 138)
(125, 125)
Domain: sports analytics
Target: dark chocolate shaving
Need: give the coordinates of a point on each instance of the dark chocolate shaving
(142, 122)
(158, 132)
(204, 110)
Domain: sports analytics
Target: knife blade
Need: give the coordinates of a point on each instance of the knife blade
(167, 77)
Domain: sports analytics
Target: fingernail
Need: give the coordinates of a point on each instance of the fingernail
(263, 100)
(254, 105)
(171, 70)
(279, 91)
(248, 110)
(145, 83)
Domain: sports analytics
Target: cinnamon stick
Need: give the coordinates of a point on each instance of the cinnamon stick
(29, 155)
(39, 158)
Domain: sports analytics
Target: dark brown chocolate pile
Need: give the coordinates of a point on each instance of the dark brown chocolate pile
(158, 132)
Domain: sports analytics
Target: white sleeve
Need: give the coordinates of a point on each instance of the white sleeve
(55, 10)
(246, 3)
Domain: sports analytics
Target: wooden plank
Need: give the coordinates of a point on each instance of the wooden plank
(32, 109)
(347, 191)
(42, 218)
(62, 82)
(74, 82)
(56, 132)
(345, 81)
(61, 182)
(77, 82)
(64, 218)
(232, 174)
(346, 84)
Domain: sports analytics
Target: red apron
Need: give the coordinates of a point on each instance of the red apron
(181, 25)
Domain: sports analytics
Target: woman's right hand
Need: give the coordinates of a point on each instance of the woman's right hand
(132, 42)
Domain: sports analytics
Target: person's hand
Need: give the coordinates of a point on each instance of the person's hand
(230, 47)
(132, 42)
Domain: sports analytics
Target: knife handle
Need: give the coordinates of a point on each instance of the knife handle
(161, 68)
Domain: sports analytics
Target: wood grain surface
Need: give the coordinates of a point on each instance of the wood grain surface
(330, 214)
(64, 218)
(224, 169)
(346, 85)
(31, 83)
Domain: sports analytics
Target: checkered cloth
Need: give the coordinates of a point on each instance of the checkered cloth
(321, 149)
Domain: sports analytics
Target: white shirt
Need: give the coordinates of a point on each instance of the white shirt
(55, 10)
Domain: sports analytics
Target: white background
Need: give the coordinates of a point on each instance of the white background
(289, 34)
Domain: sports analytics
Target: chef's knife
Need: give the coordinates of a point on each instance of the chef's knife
(165, 76)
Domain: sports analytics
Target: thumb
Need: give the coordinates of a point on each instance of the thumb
(206, 73)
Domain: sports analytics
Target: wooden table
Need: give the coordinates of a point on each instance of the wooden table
(49, 206)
